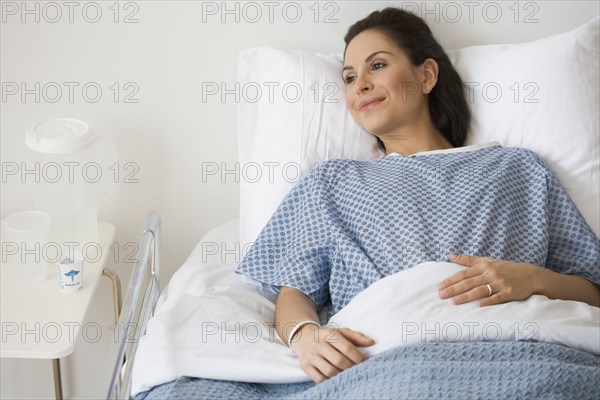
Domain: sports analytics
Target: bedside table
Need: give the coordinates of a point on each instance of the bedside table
(40, 320)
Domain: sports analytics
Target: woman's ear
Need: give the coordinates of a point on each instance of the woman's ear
(429, 70)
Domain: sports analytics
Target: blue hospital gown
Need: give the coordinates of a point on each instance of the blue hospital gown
(350, 223)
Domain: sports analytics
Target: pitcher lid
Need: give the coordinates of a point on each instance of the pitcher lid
(59, 136)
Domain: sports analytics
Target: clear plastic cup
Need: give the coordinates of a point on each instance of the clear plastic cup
(27, 234)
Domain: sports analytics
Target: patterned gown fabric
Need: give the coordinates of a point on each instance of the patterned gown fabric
(350, 223)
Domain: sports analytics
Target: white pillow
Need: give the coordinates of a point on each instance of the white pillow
(299, 118)
(549, 103)
(289, 129)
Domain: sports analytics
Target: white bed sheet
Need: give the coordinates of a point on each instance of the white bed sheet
(210, 324)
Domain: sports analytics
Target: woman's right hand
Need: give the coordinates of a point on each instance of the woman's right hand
(325, 352)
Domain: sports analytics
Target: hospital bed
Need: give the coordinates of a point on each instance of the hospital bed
(208, 334)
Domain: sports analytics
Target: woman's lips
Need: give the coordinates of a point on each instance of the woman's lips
(369, 103)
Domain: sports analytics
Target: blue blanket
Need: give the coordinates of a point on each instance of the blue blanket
(459, 370)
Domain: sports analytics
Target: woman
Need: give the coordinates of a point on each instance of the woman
(348, 223)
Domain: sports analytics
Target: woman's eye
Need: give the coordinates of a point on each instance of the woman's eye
(377, 65)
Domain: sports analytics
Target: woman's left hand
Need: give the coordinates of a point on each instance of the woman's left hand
(488, 280)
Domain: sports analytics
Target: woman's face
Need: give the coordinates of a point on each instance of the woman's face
(384, 91)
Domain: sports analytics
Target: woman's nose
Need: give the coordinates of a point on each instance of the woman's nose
(362, 84)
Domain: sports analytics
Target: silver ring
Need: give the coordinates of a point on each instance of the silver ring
(489, 290)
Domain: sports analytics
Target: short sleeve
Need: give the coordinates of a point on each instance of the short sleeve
(296, 246)
(573, 247)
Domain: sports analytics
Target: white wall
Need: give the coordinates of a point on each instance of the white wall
(170, 51)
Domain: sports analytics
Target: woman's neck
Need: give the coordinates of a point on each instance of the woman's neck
(410, 145)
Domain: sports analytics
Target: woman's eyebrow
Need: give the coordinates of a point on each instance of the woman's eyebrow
(369, 58)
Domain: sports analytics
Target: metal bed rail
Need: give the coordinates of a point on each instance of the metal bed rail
(135, 314)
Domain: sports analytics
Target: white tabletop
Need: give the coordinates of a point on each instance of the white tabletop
(39, 319)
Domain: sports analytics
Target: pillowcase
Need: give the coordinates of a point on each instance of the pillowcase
(541, 95)
(292, 117)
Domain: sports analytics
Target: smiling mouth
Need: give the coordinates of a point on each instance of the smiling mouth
(369, 105)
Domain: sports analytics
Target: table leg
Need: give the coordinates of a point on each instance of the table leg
(58, 393)
(117, 297)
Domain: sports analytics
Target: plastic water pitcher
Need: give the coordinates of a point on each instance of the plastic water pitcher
(74, 165)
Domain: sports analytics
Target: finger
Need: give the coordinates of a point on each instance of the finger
(334, 357)
(465, 259)
(461, 287)
(478, 292)
(355, 337)
(497, 298)
(348, 349)
(358, 338)
(459, 277)
(314, 374)
(325, 367)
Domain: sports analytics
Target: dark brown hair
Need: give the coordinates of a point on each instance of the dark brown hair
(447, 102)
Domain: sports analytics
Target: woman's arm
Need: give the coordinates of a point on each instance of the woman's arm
(511, 281)
(323, 352)
(293, 307)
(566, 287)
